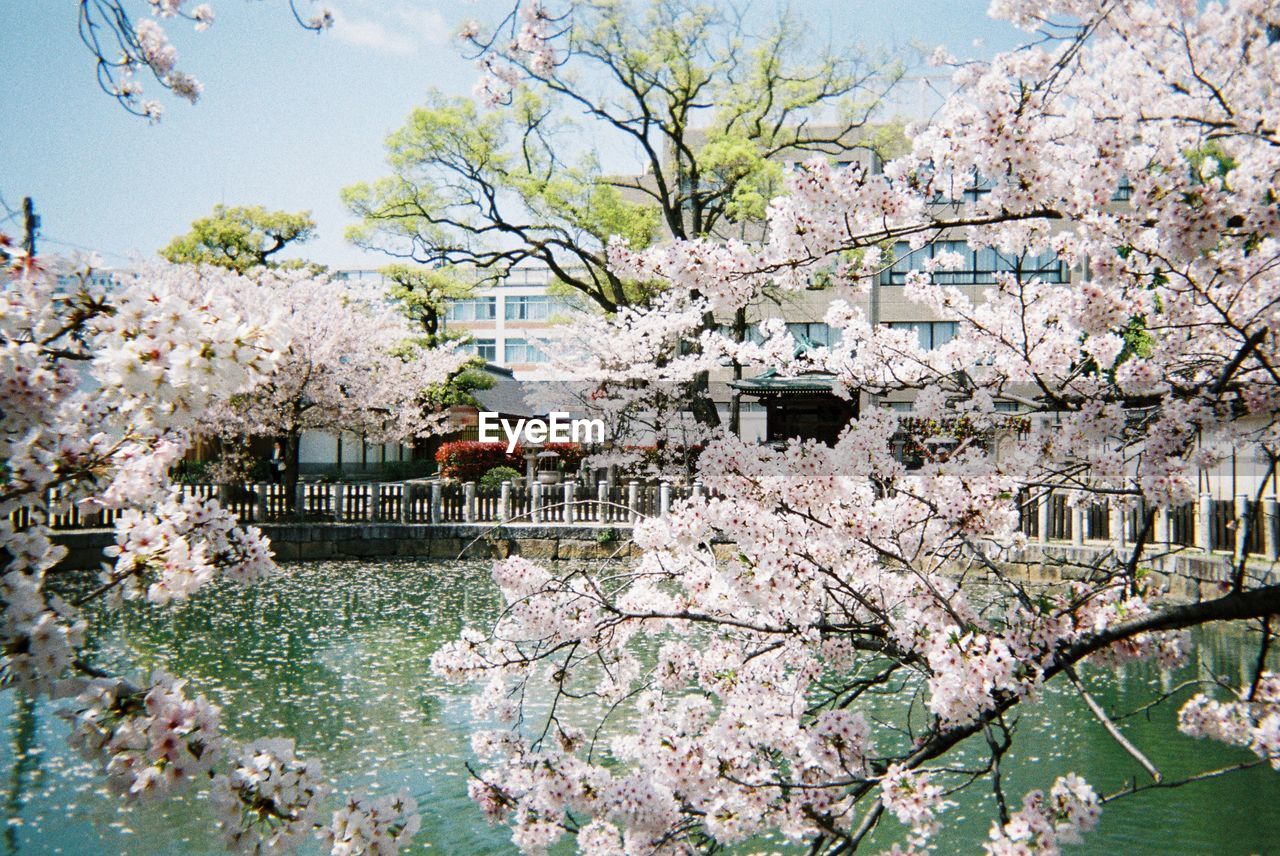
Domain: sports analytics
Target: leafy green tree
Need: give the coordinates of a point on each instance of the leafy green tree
(709, 110)
(241, 237)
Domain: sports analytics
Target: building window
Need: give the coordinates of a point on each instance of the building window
(931, 334)
(520, 351)
(536, 307)
(1124, 190)
(1006, 407)
(485, 349)
(816, 332)
(472, 309)
(979, 268)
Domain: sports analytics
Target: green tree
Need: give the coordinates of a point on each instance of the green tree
(241, 237)
(709, 110)
(423, 294)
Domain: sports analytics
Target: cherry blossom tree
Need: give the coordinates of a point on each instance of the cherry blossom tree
(350, 366)
(101, 392)
(126, 47)
(812, 576)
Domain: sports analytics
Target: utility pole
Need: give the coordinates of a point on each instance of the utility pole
(30, 226)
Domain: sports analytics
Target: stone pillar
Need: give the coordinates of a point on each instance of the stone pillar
(469, 502)
(1270, 511)
(1164, 527)
(535, 501)
(504, 502)
(339, 495)
(1242, 515)
(406, 502)
(300, 499)
(1042, 516)
(569, 488)
(697, 488)
(633, 501)
(1118, 520)
(261, 492)
(530, 468)
(602, 500)
(437, 502)
(1204, 523)
(664, 499)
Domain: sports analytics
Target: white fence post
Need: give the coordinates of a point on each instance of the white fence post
(437, 502)
(1042, 516)
(664, 499)
(1116, 511)
(535, 501)
(602, 497)
(1242, 514)
(504, 502)
(1162, 527)
(697, 488)
(633, 501)
(406, 502)
(569, 490)
(469, 502)
(1077, 524)
(1269, 514)
(1204, 523)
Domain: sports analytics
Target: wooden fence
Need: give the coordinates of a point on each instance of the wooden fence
(417, 502)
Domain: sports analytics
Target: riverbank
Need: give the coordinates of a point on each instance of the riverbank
(1183, 574)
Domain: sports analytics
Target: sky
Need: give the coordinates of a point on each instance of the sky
(289, 117)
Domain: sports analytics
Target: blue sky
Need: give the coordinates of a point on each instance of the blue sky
(288, 117)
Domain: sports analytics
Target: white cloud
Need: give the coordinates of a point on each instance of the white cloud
(399, 27)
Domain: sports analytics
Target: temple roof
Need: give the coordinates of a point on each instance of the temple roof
(770, 382)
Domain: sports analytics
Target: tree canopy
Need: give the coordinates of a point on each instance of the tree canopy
(241, 237)
(707, 109)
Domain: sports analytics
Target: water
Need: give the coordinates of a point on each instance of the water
(336, 655)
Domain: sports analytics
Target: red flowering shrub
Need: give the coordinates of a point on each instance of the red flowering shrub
(469, 460)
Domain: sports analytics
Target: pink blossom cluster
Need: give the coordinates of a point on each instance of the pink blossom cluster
(269, 800)
(1045, 822)
(1251, 721)
(151, 743)
(377, 827)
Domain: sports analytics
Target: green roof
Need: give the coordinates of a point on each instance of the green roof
(770, 382)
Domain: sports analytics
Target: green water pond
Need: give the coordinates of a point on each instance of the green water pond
(336, 655)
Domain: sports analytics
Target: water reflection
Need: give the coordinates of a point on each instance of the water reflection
(336, 655)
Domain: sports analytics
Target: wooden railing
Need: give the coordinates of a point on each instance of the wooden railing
(419, 502)
(1211, 525)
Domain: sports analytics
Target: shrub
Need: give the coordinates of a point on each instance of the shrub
(469, 460)
(498, 475)
(402, 470)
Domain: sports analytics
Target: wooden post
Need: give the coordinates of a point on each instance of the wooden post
(602, 498)
(469, 502)
(633, 501)
(664, 499)
(437, 502)
(1204, 523)
(504, 502)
